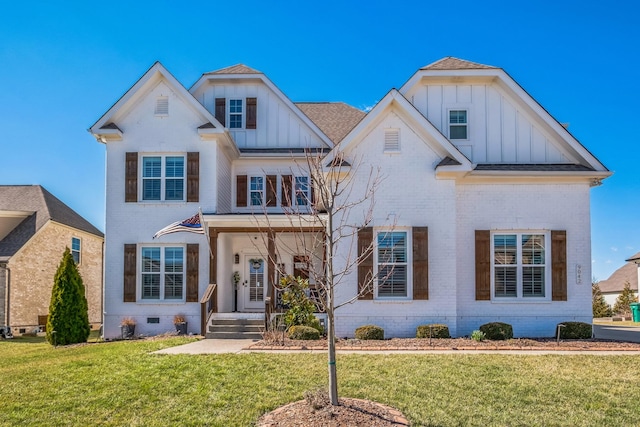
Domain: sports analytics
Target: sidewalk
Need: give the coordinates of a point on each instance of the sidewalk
(214, 346)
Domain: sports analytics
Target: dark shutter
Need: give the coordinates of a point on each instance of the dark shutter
(483, 265)
(221, 110)
(192, 272)
(365, 267)
(559, 265)
(252, 113)
(131, 177)
(420, 263)
(129, 272)
(193, 177)
(241, 190)
(285, 191)
(272, 190)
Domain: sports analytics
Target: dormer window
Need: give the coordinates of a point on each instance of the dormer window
(235, 113)
(458, 124)
(162, 106)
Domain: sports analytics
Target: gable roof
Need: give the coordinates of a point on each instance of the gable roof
(615, 282)
(236, 69)
(43, 207)
(451, 63)
(335, 119)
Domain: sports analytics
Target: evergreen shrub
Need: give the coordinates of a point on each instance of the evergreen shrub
(575, 331)
(497, 331)
(434, 330)
(370, 332)
(301, 332)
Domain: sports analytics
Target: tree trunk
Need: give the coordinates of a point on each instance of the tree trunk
(333, 377)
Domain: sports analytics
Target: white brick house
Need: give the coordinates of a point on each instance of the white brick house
(489, 195)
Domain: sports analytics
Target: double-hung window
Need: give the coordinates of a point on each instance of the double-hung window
(75, 249)
(302, 195)
(162, 273)
(458, 124)
(235, 113)
(256, 193)
(392, 264)
(163, 178)
(520, 265)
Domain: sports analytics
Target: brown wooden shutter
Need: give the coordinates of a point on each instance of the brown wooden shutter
(193, 177)
(131, 177)
(221, 110)
(420, 263)
(272, 190)
(241, 190)
(192, 272)
(559, 265)
(285, 191)
(365, 267)
(252, 113)
(483, 265)
(130, 272)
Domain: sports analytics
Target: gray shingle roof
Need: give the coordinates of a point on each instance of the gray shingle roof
(335, 119)
(615, 283)
(451, 63)
(45, 207)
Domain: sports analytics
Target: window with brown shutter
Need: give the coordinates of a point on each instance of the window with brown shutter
(192, 272)
(131, 177)
(483, 265)
(129, 273)
(241, 190)
(193, 177)
(420, 263)
(252, 112)
(365, 267)
(285, 191)
(272, 190)
(559, 265)
(221, 110)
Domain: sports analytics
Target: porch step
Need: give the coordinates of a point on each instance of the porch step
(235, 329)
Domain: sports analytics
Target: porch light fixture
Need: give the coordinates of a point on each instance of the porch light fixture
(236, 259)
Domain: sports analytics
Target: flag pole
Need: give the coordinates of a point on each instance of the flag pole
(206, 232)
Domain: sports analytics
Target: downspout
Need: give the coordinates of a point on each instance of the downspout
(103, 292)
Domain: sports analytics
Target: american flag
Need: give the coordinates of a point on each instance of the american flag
(191, 225)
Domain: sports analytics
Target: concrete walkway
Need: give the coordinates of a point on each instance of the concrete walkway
(215, 346)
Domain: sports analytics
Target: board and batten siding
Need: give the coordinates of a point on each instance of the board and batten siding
(499, 130)
(276, 125)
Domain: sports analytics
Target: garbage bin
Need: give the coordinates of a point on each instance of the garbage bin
(635, 311)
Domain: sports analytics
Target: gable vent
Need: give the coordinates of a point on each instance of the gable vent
(391, 140)
(162, 106)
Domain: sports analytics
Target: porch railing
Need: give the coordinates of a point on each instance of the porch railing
(208, 305)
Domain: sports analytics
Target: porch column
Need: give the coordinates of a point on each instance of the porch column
(213, 262)
(271, 267)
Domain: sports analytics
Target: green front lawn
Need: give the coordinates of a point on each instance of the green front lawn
(123, 384)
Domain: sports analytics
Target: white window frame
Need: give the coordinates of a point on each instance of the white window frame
(235, 114)
(465, 125)
(162, 178)
(162, 273)
(261, 191)
(520, 266)
(305, 194)
(76, 253)
(408, 263)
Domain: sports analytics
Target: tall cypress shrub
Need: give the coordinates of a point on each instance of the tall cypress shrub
(68, 310)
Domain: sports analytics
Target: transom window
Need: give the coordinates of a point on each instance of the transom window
(162, 273)
(75, 249)
(302, 190)
(235, 113)
(257, 190)
(392, 264)
(163, 178)
(520, 265)
(458, 124)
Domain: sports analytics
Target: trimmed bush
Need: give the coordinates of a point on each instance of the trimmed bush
(370, 332)
(434, 330)
(575, 331)
(301, 332)
(497, 331)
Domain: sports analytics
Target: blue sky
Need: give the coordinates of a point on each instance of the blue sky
(62, 65)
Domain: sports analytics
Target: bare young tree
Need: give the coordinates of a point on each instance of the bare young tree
(337, 203)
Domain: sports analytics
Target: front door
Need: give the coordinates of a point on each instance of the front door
(255, 282)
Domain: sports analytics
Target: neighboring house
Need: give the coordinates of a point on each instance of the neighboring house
(613, 286)
(488, 195)
(35, 229)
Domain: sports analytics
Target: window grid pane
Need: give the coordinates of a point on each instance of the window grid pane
(519, 265)
(392, 264)
(256, 187)
(302, 190)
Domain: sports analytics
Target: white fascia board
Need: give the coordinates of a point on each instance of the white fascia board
(265, 80)
(532, 177)
(264, 222)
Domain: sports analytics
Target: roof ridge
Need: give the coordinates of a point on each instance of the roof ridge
(236, 69)
(453, 63)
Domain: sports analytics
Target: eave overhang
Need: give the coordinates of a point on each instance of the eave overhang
(262, 222)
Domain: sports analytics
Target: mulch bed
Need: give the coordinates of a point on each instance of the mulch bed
(407, 344)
